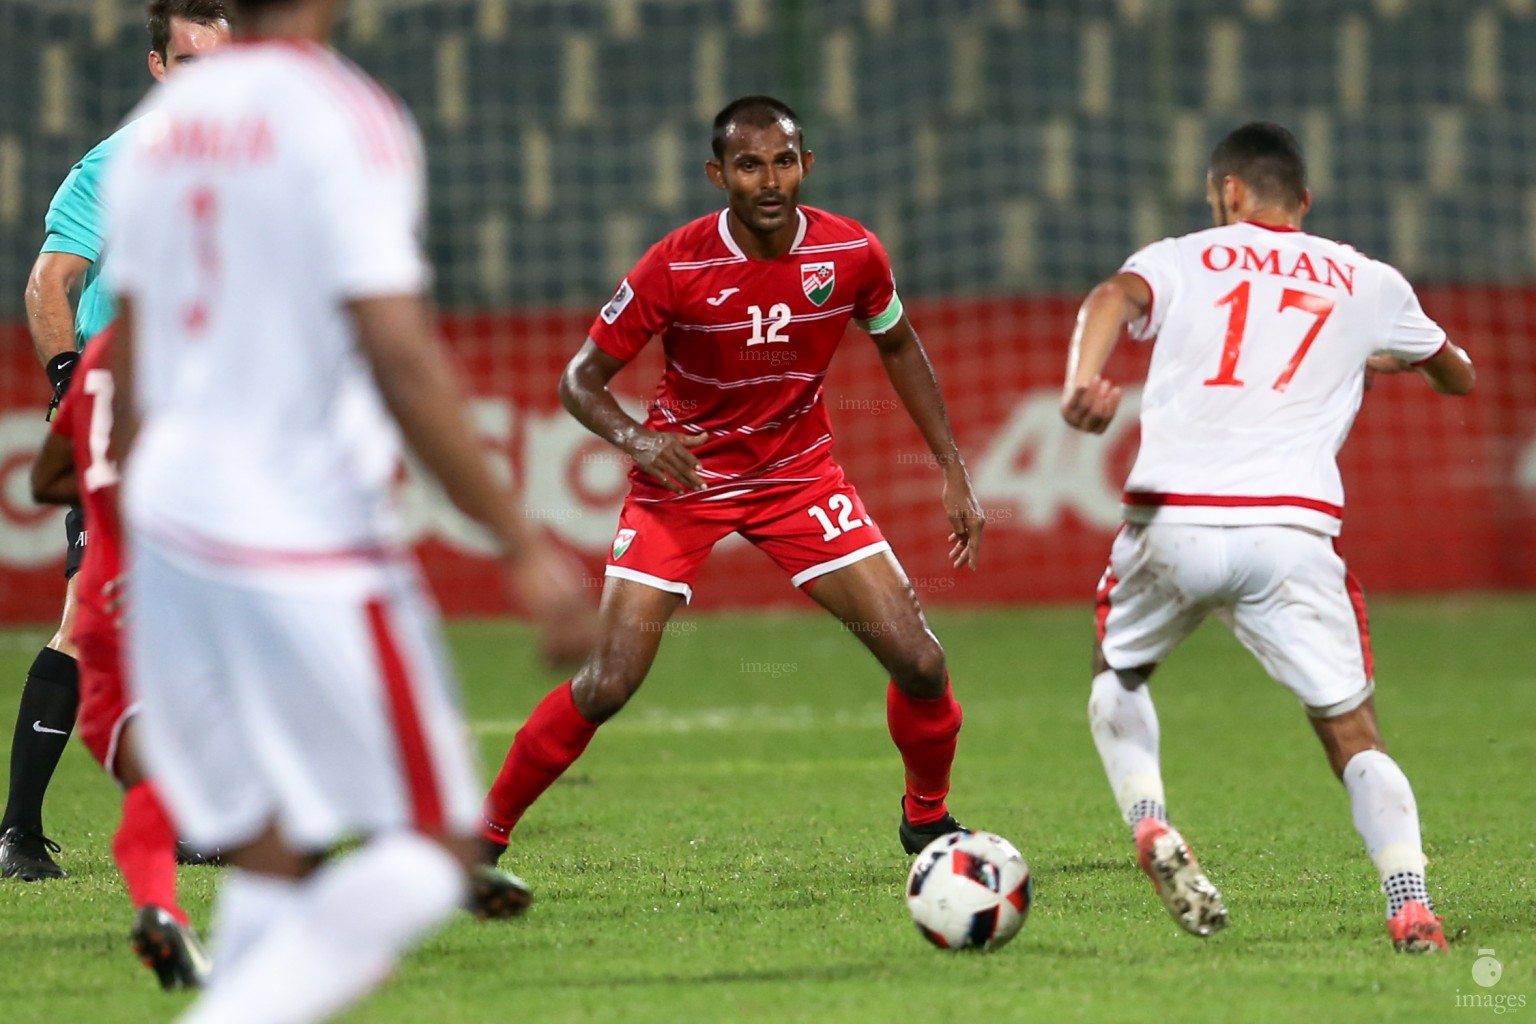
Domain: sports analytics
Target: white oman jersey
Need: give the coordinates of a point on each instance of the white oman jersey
(265, 188)
(1258, 370)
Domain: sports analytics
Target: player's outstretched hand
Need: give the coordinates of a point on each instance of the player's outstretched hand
(665, 456)
(1091, 407)
(966, 518)
(549, 584)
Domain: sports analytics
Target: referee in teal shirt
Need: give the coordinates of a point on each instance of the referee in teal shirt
(75, 222)
(180, 31)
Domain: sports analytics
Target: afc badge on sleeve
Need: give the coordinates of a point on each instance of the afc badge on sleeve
(616, 305)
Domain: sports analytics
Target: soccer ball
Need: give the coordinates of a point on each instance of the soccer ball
(969, 890)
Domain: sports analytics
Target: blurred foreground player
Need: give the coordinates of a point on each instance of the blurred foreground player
(180, 32)
(274, 345)
(751, 303)
(74, 468)
(1266, 338)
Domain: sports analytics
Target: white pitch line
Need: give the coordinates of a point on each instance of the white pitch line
(750, 718)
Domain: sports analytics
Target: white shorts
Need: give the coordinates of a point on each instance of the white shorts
(316, 698)
(1282, 590)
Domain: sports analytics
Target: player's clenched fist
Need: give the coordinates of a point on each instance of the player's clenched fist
(1090, 407)
(665, 456)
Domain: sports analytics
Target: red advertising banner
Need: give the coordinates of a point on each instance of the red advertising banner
(1441, 493)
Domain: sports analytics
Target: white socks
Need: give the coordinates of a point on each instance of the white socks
(247, 905)
(1387, 818)
(337, 938)
(1386, 815)
(1125, 731)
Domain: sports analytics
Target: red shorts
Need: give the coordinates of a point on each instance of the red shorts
(104, 707)
(808, 529)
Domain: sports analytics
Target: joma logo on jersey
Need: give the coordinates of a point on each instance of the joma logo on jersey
(818, 280)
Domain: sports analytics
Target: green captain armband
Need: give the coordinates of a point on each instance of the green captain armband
(884, 321)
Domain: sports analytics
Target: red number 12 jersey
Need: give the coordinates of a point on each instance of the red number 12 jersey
(748, 341)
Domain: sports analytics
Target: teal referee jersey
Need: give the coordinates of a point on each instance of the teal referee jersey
(76, 222)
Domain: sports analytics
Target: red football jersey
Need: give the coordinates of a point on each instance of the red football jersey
(748, 341)
(85, 419)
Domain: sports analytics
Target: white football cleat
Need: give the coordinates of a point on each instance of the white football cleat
(1176, 876)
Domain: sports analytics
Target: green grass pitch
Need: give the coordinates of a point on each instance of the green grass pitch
(727, 851)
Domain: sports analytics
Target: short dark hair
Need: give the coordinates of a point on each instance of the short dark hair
(754, 112)
(247, 7)
(199, 12)
(1267, 157)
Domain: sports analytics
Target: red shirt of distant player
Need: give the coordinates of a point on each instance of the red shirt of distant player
(85, 419)
(748, 341)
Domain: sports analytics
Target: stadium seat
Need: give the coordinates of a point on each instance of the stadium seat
(1420, 57)
(943, 165)
(1033, 69)
(641, 81)
(1384, 147)
(1468, 237)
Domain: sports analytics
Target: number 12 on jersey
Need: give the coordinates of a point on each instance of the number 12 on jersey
(777, 319)
(1237, 325)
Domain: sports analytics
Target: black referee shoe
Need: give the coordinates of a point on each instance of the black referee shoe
(915, 837)
(26, 855)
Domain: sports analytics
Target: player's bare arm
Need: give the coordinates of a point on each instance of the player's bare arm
(1448, 371)
(911, 374)
(1089, 401)
(663, 455)
(417, 384)
(53, 473)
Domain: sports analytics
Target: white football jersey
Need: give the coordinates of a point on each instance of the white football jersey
(264, 189)
(1258, 370)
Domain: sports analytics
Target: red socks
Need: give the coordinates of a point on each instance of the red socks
(925, 733)
(548, 743)
(145, 850)
(556, 734)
